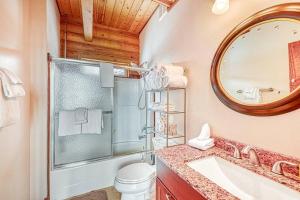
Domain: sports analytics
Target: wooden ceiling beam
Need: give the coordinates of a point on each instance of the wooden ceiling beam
(87, 19)
(167, 3)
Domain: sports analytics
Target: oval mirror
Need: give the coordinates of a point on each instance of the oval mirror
(256, 69)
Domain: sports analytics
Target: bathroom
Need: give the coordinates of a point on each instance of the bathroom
(55, 49)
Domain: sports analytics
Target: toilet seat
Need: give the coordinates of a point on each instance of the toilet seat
(135, 173)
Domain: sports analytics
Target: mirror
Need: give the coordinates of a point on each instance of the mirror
(263, 64)
(256, 69)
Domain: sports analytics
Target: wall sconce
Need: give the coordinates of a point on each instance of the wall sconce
(220, 7)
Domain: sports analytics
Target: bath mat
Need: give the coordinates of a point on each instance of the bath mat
(94, 195)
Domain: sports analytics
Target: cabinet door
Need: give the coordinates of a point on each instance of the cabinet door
(162, 192)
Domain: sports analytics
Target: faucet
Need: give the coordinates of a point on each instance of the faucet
(236, 153)
(252, 155)
(277, 167)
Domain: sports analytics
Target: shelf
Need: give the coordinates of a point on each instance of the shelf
(160, 142)
(165, 89)
(165, 112)
(161, 134)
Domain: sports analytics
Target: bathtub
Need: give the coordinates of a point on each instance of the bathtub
(72, 181)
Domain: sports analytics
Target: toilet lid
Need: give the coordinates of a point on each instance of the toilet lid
(135, 173)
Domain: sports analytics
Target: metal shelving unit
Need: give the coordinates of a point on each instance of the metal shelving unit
(165, 137)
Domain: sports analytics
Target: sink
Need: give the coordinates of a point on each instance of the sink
(241, 182)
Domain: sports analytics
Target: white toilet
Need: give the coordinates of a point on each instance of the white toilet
(136, 181)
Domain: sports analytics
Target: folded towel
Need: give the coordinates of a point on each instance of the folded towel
(202, 145)
(13, 78)
(203, 148)
(81, 116)
(205, 132)
(161, 107)
(253, 94)
(95, 122)
(165, 76)
(11, 85)
(10, 88)
(203, 142)
(107, 75)
(175, 81)
(67, 125)
(170, 70)
(9, 110)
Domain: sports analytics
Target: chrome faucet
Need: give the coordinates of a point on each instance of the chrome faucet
(252, 155)
(236, 153)
(277, 166)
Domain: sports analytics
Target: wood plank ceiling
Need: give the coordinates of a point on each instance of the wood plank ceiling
(116, 27)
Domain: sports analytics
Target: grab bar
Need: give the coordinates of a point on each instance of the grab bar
(103, 112)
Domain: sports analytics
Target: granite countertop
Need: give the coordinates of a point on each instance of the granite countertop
(177, 157)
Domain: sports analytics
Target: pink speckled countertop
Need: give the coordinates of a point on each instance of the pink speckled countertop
(177, 157)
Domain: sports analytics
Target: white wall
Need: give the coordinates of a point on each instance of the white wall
(23, 145)
(190, 35)
(53, 28)
(14, 142)
(37, 41)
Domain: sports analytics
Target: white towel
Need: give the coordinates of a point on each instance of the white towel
(11, 85)
(13, 78)
(67, 125)
(107, 75)
(9, 110)
(95, 122)
(175, 81)
(205, 132)
(201, 144)
(163, 77)
(10, 88)
(195, 144)
(253, 94)
(81, 116)
(161, 107)
(171, 70)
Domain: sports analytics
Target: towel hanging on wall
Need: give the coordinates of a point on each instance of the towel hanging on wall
(11, 88)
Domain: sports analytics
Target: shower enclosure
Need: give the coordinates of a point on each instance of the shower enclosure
(76, 84)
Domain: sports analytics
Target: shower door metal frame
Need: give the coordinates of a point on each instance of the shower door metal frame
(52, 116)
(50, 147)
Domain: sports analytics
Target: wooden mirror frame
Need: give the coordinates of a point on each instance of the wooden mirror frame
(287, 104)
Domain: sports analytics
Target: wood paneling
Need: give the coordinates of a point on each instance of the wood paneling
(127, 15)
(87, 18)
(111, 28)
(108, 44)
(168, 3)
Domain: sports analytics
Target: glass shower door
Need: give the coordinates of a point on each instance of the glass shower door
(77, 86)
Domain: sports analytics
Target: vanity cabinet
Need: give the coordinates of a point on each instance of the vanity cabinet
(162, 193)
(169, 186)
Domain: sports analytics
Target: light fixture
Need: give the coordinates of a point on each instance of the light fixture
(220, 7)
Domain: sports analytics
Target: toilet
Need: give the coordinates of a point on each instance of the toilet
(136, 181)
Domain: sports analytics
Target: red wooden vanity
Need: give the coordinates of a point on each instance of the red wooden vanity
(169, 186)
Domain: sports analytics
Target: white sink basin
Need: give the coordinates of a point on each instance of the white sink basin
(241, 182)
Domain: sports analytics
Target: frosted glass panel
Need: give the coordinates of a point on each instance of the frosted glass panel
(76, 87)
(129, 120)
